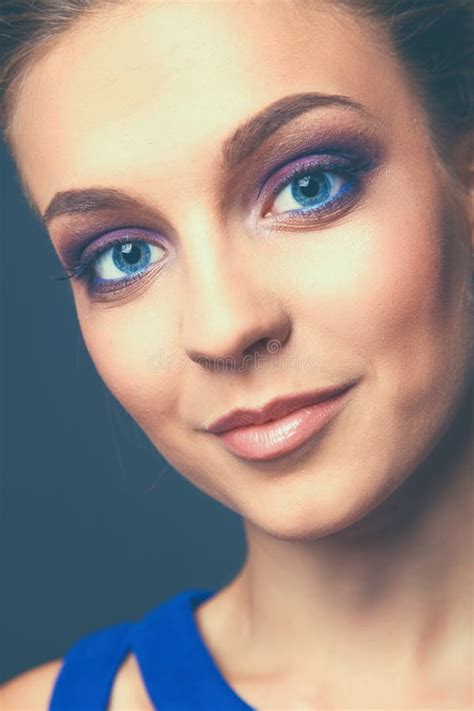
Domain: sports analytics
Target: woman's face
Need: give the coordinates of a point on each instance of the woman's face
(319, 248)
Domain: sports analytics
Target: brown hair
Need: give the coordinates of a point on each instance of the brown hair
(28, 28)
(434, 40)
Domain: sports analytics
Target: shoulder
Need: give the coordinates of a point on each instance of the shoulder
(128, 690)
(33, 688)
(30, 690)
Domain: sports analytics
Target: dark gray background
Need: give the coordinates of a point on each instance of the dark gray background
(95, 527)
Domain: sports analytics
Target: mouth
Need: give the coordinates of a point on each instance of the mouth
(281, 425)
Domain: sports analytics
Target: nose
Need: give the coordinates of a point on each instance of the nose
(231, 315)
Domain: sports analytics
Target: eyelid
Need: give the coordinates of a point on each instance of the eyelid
(325, 162)
(109, 239)
(338, 163)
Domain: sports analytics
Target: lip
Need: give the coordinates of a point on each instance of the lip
(273, 410)
(281, 425)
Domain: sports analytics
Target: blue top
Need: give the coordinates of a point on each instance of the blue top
(178, 671)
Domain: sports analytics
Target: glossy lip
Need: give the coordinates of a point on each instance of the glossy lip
(275, 409)
(276, 438)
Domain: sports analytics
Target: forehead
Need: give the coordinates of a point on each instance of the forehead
(155, 83)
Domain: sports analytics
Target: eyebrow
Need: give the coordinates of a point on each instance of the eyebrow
(235, 149)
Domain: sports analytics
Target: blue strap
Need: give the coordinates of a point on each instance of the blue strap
(85, 679)
(177, 669)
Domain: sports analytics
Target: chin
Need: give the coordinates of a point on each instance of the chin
(309, 518)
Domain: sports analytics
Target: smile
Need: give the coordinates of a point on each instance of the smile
(278, 435)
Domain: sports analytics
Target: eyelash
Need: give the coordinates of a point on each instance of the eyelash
(350, 167)
(83, 270)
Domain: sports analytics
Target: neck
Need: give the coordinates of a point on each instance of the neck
(396, 587)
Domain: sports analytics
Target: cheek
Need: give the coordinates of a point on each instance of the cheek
(135, 351)
(387, 290)
(132, 349)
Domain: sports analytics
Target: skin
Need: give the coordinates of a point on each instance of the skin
(357, 587)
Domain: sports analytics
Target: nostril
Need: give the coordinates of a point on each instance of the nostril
(259, 345)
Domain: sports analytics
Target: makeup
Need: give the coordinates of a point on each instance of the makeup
(280, 436)
(144, 247)
(299, 179)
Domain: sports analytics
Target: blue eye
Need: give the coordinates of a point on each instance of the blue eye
(311, 191)
(115, 261)
(125, 259)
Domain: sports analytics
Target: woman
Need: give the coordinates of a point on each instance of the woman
(266, 212)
